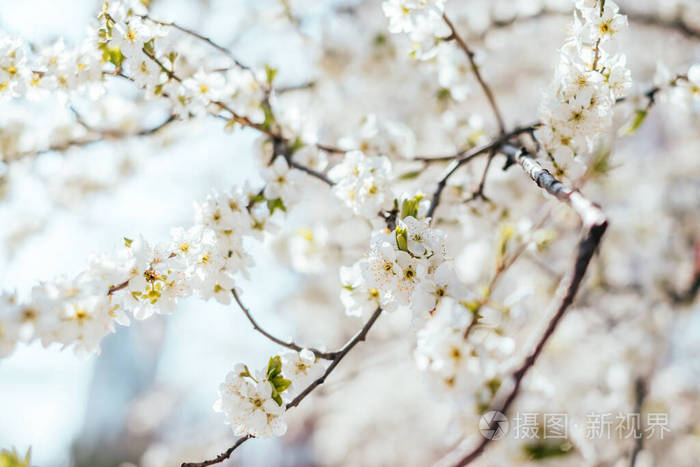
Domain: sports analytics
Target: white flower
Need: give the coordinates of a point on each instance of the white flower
(301, 368)
(357, 298)
(606, 25)
(429, 292)
(218, 284)
(10, 323)
(248, 405)
(282, 182)
(205, 87)
(363, 183)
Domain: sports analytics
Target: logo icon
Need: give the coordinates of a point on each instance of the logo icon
(493, 425)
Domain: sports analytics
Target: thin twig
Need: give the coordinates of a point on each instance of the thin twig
(677, 24)
(276, 340)
(102, 135)
(201, 37)
(640, 393)
(359, 337)
(312, 172)
(339, 355)
(495, 143)
(470, 55)
(595, 223)
(221, 457)
(463, 157)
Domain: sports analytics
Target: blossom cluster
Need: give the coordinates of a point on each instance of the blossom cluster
(142, 279)
(363, 183)
(124, 41)
(254, 404)
(420, 19)
(410, 267)
(578, 108)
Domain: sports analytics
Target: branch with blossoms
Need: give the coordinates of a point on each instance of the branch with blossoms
(594, 224)
(677, 23)
(402, 258)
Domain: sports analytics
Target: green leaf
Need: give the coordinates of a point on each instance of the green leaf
(128, 242)
(380, 39)
(149, 47)
(246, 373)
(269, 116)
(401, 238)
(409, 207)
(274, 367)
(539, 450)
(112, 55)
(279, 383)
(443, 94)
(270, 74)
(12, 458)
(277, 398)
(296, 145)
(256, 199)
(634, 124)
(410, 175)
(277, 203)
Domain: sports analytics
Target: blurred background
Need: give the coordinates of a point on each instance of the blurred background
(147, 399)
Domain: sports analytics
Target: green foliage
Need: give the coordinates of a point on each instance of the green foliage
(540, 450)
(635, 122)
(296, 145)
(401, 234)
(410, 175)
(277, 203)
(409, 207)
(269, 116)
(443, 94)
(128, 242)
(112, 55)
(276, 379)
(270, 74)
(380, 39)
(13, 459)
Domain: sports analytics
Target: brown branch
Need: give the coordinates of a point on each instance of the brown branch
(640, 394)
(221, 457)
(102, 134)
(463, 157)
(339, 355)
(677, 24)
(201, 37)
(359, 337)
(276, 340)
(595, 224)
(470, 55)
(495, 143)
(312, 172)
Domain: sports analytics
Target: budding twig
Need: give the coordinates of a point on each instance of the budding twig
(201, 37)
(595, 223)
(276, 340)
(463, 157)
(470, 55)
(339, 355)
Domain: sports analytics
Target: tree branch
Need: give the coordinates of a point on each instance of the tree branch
(102, 135)
(463, 157)
(595, 224)
(677, 24)
(201, 37)
(221, 457)
(339, 355)
(470, 55)
(359, 337)
(276, 340)
(640, 394)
